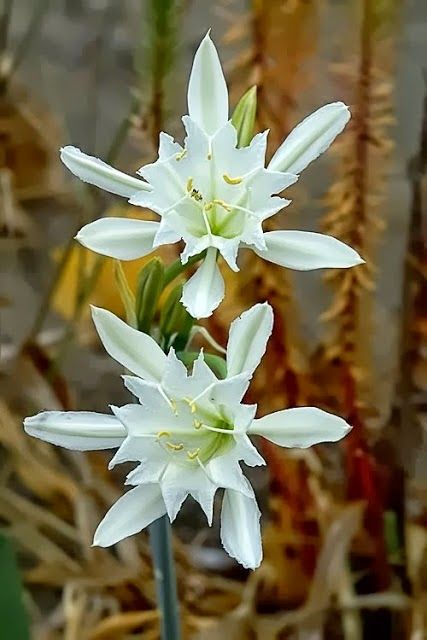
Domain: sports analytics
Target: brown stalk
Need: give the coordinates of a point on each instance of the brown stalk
(354, 217)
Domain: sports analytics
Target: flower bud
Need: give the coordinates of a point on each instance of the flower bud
(175, 321)
(243, 117)
(149, 287)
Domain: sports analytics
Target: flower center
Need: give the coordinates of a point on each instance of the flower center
(221, 217)
(207, 434)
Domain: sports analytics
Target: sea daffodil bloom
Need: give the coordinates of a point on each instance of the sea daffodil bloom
(188, 433)
(213, 195)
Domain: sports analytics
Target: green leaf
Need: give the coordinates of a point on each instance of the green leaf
(13, 617)
(151, 281)
(216, 363)
(243, 117)
(175, 321)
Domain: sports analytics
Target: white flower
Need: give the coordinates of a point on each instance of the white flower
(212, 195)
(188, 433)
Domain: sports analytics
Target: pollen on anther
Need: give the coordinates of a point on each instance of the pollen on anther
(181, 155)
(229, 180)
(175, 447)
(189, 184)
(163, 434)
(193, 454)
(197, 424)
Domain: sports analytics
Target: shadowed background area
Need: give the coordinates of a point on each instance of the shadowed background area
(344, 525)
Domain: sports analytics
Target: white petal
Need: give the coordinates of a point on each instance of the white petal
(194, 245)
(166, 234)
(95, 171)
(248, 338)
(245, 451)
(310, 138)
(207, 90)
(147, 392)
(179, 480)
(121, 238)
(132, 512)
(226, 472)
(151, 470)
(144, 421)
(78, 430)
(228, 248)
(240, 529)
(229, 391)
(167, 146)
(136, 351)
(204, 291)
(301, 427)
(175, 376)
(305, 251)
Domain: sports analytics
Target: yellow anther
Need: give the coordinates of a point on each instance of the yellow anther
(197, 424)
(209, 156)
(161, 434)
(175, 447)
(223, 204)
(209, 206)
(193, 454)
(191, 404)
(189, 184)
(181, 155)
(229, 180)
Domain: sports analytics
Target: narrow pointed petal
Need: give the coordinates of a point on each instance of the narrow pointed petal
(179, 481)
(229, 391)
(77, 430)
(248, 338)
(301, 427)
(310, 138)
(167, 146)
(99, 173)
(240, 529)
(132, 512)
(136, 351)
(204, 291)
(226, 472)
(120, 238)
(306, 251)
(207, 90)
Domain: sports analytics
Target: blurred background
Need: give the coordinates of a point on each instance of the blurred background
(344, 526)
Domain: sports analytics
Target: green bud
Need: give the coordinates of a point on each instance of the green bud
(149, 287)
(126, 295)
(243, 117)
(175, 321)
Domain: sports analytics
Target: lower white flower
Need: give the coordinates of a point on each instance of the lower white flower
(188, 433)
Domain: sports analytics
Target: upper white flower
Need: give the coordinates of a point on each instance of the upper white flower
(188, 433)
(213, 195)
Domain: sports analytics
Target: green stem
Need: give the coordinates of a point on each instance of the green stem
(167, 598)
(176, 268)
